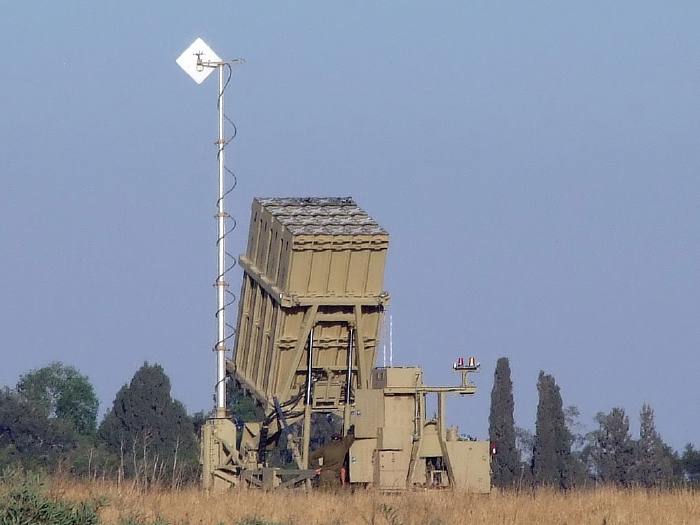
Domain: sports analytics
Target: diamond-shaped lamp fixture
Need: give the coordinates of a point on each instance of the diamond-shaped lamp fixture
(193, 57)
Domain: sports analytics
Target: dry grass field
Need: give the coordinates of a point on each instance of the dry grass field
(191, 506)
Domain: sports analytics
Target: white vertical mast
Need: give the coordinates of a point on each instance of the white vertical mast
(221, 283)
(198, 61)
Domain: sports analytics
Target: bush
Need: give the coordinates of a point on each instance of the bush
(23, 502)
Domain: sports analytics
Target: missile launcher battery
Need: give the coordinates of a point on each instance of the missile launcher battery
(309, 318)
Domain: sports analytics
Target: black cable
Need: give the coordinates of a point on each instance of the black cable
(231, 296)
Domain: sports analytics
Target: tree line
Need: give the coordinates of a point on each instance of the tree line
(562, 455)
(49, 421)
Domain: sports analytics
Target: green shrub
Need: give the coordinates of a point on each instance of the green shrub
(23, 502)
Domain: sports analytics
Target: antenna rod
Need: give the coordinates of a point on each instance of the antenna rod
(221, 264)
(391, 340)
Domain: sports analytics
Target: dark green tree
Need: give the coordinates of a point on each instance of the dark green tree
(241, 405)
(551, 454)
(28, 437)
(198, 419)
(61, 392)
(677, 473)
(690, 462)
(505, 465)
(148, 429)
(612, 451)
(653, 466)
(525, 441)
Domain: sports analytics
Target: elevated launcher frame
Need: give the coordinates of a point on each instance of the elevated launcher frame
(309, 318)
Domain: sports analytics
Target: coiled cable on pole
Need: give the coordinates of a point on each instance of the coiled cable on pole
(229, 224)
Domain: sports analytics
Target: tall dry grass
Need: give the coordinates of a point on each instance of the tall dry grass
(192, 506)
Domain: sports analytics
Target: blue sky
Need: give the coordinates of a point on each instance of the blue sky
(537, 165)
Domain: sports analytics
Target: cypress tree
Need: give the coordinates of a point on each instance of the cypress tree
(551, 454)
(505, 465)
(653, 464)
(613, 451)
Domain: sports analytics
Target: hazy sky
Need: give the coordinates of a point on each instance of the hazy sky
(536, 163)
